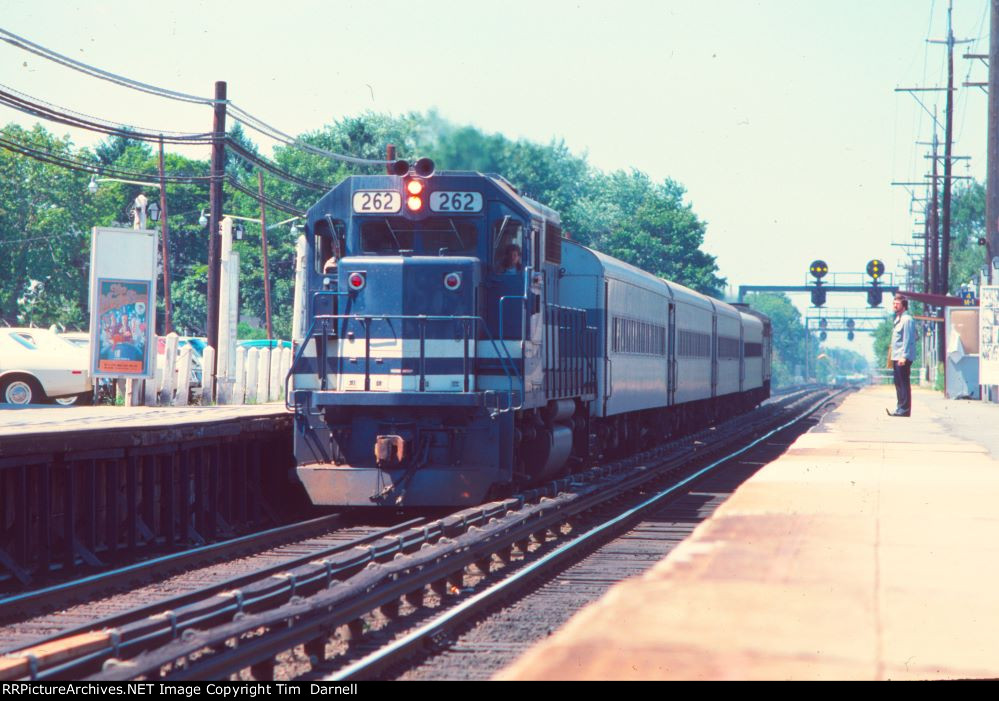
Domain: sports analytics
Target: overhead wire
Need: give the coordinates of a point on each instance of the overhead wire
(66, 111)
(93, 168)
(93, 71)
(239, 114)
(266, 199)
(263, 163)
(39, 108)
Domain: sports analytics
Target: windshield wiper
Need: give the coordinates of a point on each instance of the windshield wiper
(454, 229)
(388, 225)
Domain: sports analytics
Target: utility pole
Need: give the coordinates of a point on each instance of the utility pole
(926, 246)
(943, 280)
(992, 164)
(934, 221)
(165, 229)
(215, 216)
(948, 139)
(389, 157)
(263, 245)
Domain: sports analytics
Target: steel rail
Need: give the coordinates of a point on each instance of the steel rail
(302, 620)
(58, 593)
(179, 600)
(454, 616)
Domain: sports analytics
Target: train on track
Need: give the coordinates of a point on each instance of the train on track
(455, 346)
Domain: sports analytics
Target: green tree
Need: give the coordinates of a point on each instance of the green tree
(967, 226)
(46, 213)
(788, 336)
(45, 221)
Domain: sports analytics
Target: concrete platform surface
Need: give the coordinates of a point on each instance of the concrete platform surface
(870, 550)
(53, 419)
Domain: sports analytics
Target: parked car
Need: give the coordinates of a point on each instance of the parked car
(263, 343)
(77, 338)
(197, 345)
(38, 365)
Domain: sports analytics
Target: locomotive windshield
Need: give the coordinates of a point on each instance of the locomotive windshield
(431, 237)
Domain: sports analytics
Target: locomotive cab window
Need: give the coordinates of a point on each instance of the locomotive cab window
(431, 237)
(508, 245)
(328, 243)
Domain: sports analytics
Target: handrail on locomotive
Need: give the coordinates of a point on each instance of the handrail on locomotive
(339, 320)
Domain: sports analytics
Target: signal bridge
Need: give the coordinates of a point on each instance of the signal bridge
(880, 282)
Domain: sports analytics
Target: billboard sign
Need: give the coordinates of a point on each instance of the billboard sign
(988, 335)
(122, 302)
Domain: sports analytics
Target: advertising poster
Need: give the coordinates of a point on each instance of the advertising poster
(123, 272)
(988, 336)
(123, 318)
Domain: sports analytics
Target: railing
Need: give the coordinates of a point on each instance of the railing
(333, 326)
(570, 353)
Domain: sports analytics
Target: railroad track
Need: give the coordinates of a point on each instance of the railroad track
(257, 622)
(599, 530)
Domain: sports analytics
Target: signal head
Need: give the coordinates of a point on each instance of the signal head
(424, 167)
(874, 296)
(818, 295)
(875, 268)
(400, 167)
(818, 269)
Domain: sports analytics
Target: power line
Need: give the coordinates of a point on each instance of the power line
(94, 72)
(240, 114)
(81, 115)
(262, 127)
(266, 199)
(261, 162)
(36, 109)
(82, 166)
(6, 242)
(39, 108)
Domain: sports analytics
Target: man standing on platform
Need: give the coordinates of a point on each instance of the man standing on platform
(903, 352)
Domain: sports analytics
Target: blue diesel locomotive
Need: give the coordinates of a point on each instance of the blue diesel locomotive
(457, 346)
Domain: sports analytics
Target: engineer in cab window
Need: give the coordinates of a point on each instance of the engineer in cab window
(511, 264)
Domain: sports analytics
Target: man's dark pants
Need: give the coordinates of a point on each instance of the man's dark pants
(902, 388)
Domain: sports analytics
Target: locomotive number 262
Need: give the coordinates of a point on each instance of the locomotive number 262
(442, 201)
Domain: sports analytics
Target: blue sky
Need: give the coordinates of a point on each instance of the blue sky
(780, 118)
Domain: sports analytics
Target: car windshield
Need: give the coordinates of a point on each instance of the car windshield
(33, 339)
(435, 236)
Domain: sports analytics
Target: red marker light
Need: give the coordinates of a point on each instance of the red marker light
(414, 203)
(355, 281)
(414, 187)
(452, 281)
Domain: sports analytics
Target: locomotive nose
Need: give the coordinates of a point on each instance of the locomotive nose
(411, 286)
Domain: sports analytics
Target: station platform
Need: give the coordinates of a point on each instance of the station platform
(26, 429)
(869, 550)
